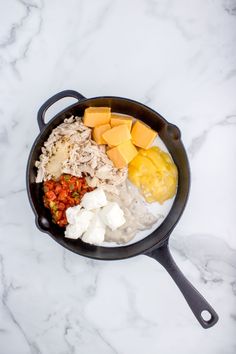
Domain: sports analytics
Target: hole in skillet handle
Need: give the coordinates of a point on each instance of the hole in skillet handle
(206, 315)
(58, 96)
(208, 319)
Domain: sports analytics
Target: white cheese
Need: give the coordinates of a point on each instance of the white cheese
(95, 234)
(71, 232)
(81, 224)
(112, 216)
(93, 200)
(89, 219)
(72, 214)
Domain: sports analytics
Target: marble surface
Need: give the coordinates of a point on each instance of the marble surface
(178, 57)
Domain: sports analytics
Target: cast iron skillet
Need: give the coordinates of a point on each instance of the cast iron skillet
(154, 245)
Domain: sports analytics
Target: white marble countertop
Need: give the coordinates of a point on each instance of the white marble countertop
(178, 57)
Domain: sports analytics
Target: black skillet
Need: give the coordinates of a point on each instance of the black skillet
(154, 245)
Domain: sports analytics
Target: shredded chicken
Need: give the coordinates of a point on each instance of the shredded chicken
(70, 149)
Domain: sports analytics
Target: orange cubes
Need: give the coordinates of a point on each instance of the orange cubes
(98, 131)
(117, 135)
(142, 135)
(118, 132)
(118, 119)
(122, 154)
(94, 116)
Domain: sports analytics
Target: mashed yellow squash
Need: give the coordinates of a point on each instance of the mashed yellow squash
(155, 174)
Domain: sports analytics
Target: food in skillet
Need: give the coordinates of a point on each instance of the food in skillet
(154, 173)
(100, 173)
(84, 157)
(90, 219)
(67, 191)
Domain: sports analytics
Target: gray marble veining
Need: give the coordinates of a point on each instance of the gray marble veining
(178, 57)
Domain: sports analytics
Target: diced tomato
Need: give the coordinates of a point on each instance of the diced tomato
(82, 192)
(58, 188)
(73, 179)
(62, 222)
(51, 195)
(61, 206)
(63, 184)
(49, 184)
(69, 202)
(62, 194)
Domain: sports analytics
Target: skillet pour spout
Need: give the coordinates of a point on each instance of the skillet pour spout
(155, 245)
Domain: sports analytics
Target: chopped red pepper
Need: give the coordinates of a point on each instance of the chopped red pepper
(51, 195)
(62, 194)
(61, 206)
(58, 188)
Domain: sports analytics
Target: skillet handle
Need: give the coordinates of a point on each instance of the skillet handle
(58, 96)
(195, 300)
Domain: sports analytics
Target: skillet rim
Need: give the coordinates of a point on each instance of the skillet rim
(119, 252)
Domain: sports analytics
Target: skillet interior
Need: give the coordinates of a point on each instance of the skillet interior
(170, 135)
